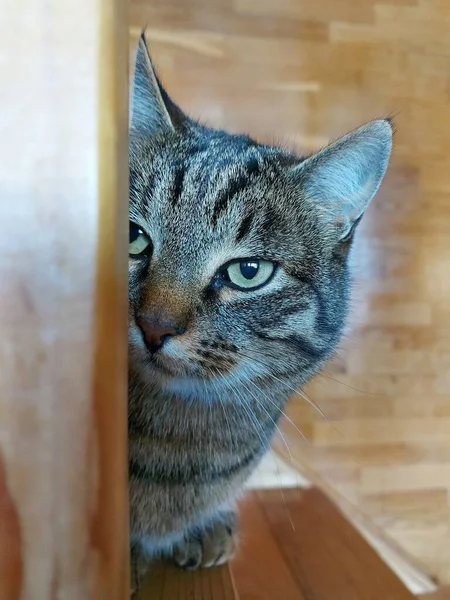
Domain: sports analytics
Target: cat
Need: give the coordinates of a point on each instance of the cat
(238, 294)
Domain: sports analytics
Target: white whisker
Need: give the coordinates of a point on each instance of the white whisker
(281, 411)
(296, 391)
(270, 417)
(302, 394)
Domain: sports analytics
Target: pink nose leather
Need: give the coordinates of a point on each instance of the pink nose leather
(155, 332)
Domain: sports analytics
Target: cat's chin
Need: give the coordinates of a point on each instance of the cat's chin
(187, 385)
(176, 377)
(160, 373)
(191, 388)
(164, 370)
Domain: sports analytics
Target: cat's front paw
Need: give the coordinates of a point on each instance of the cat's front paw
(210, 546)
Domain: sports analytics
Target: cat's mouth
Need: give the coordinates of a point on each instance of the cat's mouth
(192, 364)
(169, 368)
(163, 366)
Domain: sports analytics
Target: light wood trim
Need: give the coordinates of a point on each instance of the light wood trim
(63, 376)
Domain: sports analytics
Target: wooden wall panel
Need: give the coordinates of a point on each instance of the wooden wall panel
(63, 228)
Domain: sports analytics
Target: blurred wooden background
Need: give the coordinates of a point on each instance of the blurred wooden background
(302, 72)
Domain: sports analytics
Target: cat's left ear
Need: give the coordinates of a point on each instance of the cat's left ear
(342, 179)
(152, 110)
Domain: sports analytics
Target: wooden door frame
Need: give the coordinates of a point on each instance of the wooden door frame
(63, 295)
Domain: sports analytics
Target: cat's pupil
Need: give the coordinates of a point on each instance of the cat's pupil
(249, 269)
(134, 232)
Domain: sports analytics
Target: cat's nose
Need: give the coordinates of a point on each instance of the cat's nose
(156, 332)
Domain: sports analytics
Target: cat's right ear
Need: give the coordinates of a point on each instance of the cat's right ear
(342, 178)
(152, 111)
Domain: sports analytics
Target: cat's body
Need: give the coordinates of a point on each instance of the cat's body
(213, 356)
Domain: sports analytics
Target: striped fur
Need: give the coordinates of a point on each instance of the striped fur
(202, 412)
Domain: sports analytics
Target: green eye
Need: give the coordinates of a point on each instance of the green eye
(248, 274)
(138, 241)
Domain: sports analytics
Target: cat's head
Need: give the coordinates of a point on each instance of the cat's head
(238, 251)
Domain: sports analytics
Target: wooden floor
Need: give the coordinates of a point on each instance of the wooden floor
(314, 554)
(303, 72)
(442, 594)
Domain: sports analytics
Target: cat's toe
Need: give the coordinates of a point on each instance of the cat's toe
(212, 546)
(219, 545)
(188, 553)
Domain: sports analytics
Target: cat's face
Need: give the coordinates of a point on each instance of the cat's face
(221, 248)
(238, 251)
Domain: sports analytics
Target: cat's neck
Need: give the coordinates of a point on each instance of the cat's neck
(201, 408)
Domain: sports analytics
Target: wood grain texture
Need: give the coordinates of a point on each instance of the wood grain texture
(295, 546)
(168, 582)
(302, 73)
(260, 569)
(63, 227)
(327, 557)
(442, 594)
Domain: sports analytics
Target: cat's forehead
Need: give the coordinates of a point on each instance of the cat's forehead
(207, 200)
(210, 160)
(207, 184)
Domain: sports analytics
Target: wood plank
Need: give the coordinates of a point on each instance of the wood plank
(441, 594)
(395, 555)
(260, 569)
(296, 545)
(328, 557)
(168, 582)
(63, 318)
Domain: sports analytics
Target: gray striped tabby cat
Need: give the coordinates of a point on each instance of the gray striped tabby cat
(238, 294)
